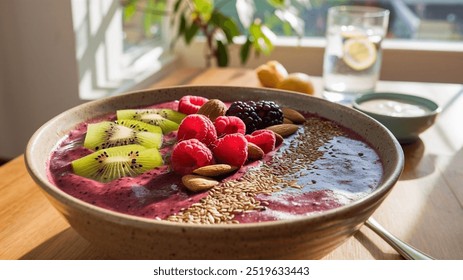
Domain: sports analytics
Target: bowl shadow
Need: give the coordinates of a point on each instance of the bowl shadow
(414, 157)
(374, 249)
(57, 248)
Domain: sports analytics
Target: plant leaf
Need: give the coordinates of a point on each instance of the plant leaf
(277, 3)
(190, 33)
(290, 16)
(245, 10)
(130, 8)
(182, 26)
(227, 24)
(222, 54)
(204, 8)
(245, 50)
(177, 5)
(159, 6)
(262, 38)
(268, 36)
(148, 18)
(287, 30)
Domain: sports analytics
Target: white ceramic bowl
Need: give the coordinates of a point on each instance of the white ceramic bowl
(125, 236)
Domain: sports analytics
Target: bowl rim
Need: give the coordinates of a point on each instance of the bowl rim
(376, 195)
(431, 105)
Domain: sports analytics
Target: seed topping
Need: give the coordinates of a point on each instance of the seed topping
(294, 159)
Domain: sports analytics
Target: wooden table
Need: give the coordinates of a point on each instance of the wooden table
(425, 208)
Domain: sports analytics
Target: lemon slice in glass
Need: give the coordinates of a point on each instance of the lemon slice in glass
(359, 53)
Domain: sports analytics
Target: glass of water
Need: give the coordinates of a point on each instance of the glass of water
(352, 59)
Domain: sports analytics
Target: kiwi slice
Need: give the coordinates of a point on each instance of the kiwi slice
(169, 114)
(149, 116)
(140, 126)
(117, 162)
(107, 134)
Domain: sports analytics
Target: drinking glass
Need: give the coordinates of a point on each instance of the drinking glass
(352, 58)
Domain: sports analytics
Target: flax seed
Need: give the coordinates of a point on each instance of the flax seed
(240, 196)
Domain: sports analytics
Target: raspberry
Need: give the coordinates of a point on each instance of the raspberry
(228, 125)
(269, 112)
(190, 154)
(263, 138)
(199, 127)
(246, 112)
(190, 104)
(231, 149)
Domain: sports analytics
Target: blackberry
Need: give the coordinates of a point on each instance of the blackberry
(256, 115)
(269, 112)
(246, 111)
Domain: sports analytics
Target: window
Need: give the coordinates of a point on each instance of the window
(410, 19)
(114, 55)
(425, 40)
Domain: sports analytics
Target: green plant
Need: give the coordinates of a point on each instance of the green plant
(220, 29)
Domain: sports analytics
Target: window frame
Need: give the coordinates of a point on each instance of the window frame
(403, 60)
(104, 68)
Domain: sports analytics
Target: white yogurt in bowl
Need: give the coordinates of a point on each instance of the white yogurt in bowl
(395, 108)
(406, 116)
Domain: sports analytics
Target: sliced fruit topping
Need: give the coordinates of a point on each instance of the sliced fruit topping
(140, 126)
(231, 149)
(264, 139)
(148, 116)
(359, 53)
(189, 155)
(169, 114)
(190, 104)
(198, 127)
(229, 125)
(107, 134)
(256, 115)
(114, 163)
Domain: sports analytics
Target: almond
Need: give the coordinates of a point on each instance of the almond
(198, 183)
(284, 130)
(213, 109)
(215, 170)
(278, 139)
(254, 152)
(286, 120)
(293, 115)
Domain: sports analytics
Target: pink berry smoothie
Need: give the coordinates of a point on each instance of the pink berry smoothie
(347, 169)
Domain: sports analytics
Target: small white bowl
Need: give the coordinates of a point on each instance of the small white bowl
(405, 125)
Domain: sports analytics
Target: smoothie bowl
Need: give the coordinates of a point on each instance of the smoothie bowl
(238, 173)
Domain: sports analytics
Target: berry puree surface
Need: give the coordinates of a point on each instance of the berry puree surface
(320, 167)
